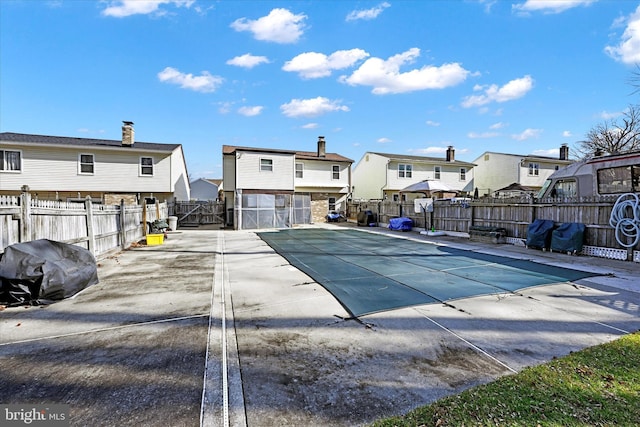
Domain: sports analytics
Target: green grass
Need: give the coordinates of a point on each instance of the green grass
(598, 386)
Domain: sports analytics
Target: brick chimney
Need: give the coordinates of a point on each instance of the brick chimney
(564, 152)
(322, 147)
(127, 134)
(451, 154)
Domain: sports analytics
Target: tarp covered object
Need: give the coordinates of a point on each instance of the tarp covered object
(568, 237)
(539, 233)
(403, 224)
(43, 271)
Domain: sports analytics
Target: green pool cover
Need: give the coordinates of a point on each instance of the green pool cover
(369, 273)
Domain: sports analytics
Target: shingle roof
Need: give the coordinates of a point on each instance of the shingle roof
(302, 155)
(82, 142)
(422, 158)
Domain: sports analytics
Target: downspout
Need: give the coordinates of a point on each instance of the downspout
(386, 178)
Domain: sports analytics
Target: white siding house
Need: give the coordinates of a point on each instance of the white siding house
(383, 176)
(267, 188)
(496, 171)
(205, 189)
(66, 168)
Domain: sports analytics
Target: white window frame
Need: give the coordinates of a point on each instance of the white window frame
(332, 203)
(437, 172)
(463, 174)
(405, 170)
(534, 169)
(299, 170)
(141, 167)
(4, 162)
(81, 163)
(334, 172)
(266, 164)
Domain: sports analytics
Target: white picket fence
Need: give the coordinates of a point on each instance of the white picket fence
(99, 228)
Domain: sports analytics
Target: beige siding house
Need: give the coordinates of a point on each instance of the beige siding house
(271, 188)
(497, 171)
(383, 176)
(69, 169)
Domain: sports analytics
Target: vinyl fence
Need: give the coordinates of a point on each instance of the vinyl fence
(514, 215)
(99, 228)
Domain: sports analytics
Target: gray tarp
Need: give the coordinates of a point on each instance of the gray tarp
(43, 271)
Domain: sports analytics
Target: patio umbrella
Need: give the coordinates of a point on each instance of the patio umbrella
(428, 185)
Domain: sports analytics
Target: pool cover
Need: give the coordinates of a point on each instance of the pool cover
(369, 273)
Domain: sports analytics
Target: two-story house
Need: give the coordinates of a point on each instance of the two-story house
(203, 189)
(383, 176)
(70, 169)
(502, 171)
(272, 188)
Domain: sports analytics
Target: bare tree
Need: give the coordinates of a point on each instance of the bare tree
(614, 136)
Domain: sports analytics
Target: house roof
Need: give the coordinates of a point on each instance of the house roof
(83, 142)
(422, 159)
(529, 156)
(302, 155)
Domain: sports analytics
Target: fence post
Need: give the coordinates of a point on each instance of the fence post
(90, 234)
(25, 215)
(123, 224)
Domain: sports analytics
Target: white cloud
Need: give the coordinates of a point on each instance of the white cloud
(313, 65)
(605, 115)
(476, 135)
(367, 14)
(248, 61)
(383, 140)
(385, 76)
(567, 134)
(628, 50)
(124, 8)
(429, 150)
(310, 126)
(548, 6)
(311, 107)
(202, 83)
(250, 111)
(498, 125)
(279, 26)
(514, 89)
(432, 123)
(527, 134)
(552, 152)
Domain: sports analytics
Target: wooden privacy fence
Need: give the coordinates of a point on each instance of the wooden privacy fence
(196, 213)
(514, 215)
(98, 228)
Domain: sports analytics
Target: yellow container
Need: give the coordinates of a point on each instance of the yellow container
(155, 239)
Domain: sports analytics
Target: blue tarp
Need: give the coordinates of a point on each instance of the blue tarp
(568, 237)
(539, 233)
(402, 224)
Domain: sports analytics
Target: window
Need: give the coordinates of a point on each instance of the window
(85, 164)
(332, 204)
(405, 171)
(534, 169)
(266, 165)
(396, 197)
(335, 169)
(10, 160)
(564, 188)
(463, 174)
(486, 157)
(146, 166)
(621, 179)
(299, 170)
(436, 172)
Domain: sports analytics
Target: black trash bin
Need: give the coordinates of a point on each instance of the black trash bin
(366, 218)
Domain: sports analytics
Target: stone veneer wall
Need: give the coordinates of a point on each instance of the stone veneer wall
(319, 207)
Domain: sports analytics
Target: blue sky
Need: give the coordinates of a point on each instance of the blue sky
(403, 77)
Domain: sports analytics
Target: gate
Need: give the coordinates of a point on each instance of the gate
(192, 214)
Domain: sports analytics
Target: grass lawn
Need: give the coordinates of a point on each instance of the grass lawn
(598, 386)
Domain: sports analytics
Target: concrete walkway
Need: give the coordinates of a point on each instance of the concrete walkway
(213, 328)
